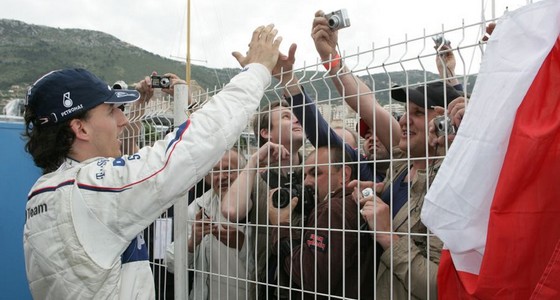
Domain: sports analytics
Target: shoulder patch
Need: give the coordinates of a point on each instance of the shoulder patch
(118, 162)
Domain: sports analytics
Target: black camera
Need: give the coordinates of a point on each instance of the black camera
(160, 81)
(306, 197)
(338, 19)
(444, 126)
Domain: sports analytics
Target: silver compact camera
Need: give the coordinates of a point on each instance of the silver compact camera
(444, 126)
(338, 19)
(441, 40)
(160, 81)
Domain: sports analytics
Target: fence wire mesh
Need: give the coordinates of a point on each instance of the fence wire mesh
(314, 135)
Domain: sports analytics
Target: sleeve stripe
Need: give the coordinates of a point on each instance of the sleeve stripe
(49, 188)
(178, 137)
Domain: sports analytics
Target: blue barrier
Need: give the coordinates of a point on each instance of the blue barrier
(18, 173)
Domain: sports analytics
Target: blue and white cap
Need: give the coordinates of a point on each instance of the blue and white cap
(60, 95)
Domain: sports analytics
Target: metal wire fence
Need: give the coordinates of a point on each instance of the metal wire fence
(230, 244)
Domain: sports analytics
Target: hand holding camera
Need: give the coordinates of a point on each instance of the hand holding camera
(440, 130)
(288, 192)
(279, 215)
(160, 82)
(165, 82)
(338, 19)
(445, 60)
(445, 127)
(440, 40)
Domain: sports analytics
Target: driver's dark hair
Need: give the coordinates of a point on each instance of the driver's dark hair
(49, 145)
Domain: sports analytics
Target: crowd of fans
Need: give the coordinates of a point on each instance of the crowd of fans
(342, 220)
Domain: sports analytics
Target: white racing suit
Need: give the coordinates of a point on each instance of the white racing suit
(82, 217)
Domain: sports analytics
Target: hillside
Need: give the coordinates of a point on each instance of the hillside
(28, 51)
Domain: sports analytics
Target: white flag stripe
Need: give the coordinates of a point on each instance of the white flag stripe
(457, 206)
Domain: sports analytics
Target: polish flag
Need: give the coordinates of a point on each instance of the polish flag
(495, 202)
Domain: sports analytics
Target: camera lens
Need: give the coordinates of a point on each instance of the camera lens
(281, 198)
(333, 22)
(440, 126)
(164, 82)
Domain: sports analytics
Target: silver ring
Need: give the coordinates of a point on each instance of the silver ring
(362, 212)
(367, 192)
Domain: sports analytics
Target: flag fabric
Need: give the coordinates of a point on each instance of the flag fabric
(495, 202)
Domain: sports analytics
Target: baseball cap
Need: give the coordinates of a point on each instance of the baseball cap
(62, 94)
(437, 94)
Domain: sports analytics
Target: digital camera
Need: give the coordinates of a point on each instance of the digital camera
(306, 197)
(338, 19)
(444, 126)
(440, 39)
(160, 81)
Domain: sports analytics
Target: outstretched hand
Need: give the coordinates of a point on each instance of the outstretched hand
(263, 48)
(285, 65)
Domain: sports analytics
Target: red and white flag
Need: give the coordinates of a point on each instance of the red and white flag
(495, 202)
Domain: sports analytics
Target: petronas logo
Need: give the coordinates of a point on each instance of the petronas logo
(66, 100)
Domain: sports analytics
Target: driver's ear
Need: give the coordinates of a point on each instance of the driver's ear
(80, 129)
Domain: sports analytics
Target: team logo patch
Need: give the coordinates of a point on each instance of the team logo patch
(66, 100)
(316, 241)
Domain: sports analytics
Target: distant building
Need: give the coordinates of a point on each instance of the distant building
(326, 111)
(14, 108)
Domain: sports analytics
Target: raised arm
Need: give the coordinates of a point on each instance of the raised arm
(446, 62)
(317, 130)
(355, 92)
(167, 170)
(237, 202)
